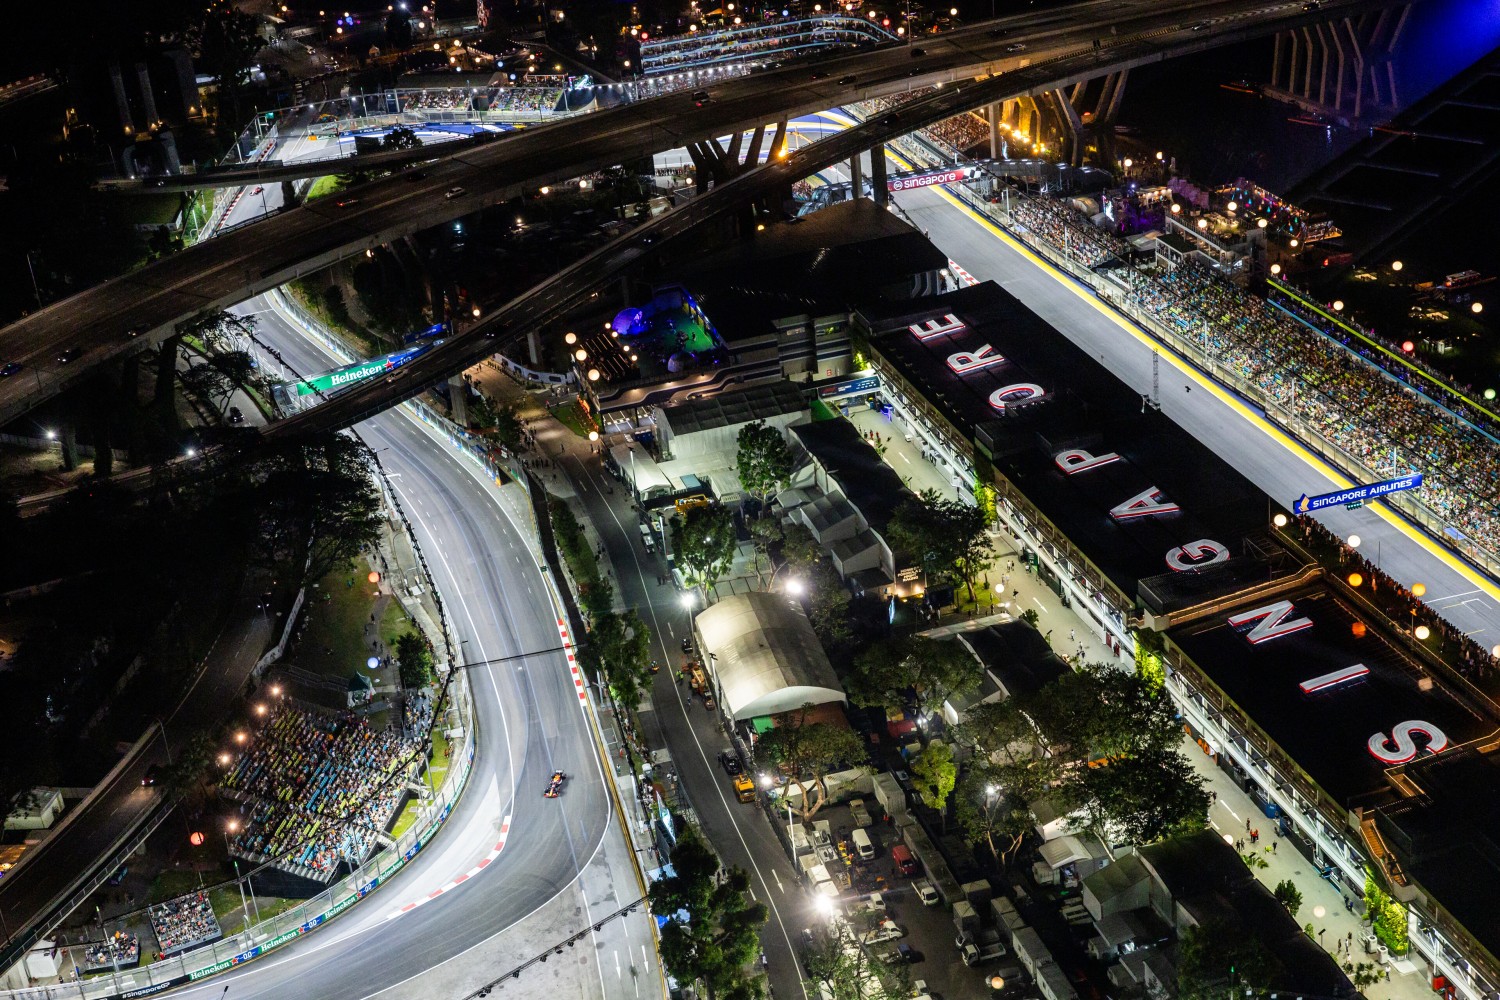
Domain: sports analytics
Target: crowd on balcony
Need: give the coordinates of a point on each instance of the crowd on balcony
(664, 55)
(462, 100)
(318, 787)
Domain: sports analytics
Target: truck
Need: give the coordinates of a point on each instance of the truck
(965, 919)
(1007, 918)
(1031, 952)
(986, 949)
(926, 892)
(886, 930)
(858, 812)
(872, 903)
(744, 788)
(902, 859)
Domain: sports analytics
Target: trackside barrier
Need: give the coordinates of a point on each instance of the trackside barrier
(270, 934)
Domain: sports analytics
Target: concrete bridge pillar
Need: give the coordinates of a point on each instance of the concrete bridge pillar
(289, 196)
(878, 189)
(992, 114)
(1343, 67)
(458, 399)
(856, 181)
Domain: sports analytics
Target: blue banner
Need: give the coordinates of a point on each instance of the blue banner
(1356, 494)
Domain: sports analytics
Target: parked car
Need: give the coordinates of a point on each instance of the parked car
(235, 416)
(453, 192)
(700, 98)
(926, 892)
(730, 762)
(9, 368)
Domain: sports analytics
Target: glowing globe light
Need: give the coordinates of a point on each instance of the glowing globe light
(1408, 346)
(570, 339)
(374, 576)
(1418, 589)
(1422, 633)
(1355, 580)
(373, 662)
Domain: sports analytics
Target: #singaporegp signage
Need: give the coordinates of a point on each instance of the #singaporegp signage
(1276, 620)
(1356, 494)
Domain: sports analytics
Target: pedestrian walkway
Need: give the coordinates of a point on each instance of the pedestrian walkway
(1339, 929)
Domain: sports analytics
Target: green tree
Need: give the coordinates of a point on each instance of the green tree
(712, 928)
(1218, 957)
(188, 764)
(1142, 798)
(828, 604)
(1387, 917)
(227, 41)
(989, 813)
(402, 137)
(1288, 895)
(946, 536)
(317, 506)
(916, 674)
(764, 461)
(934, 773)
(845, 971)
(414, 659)
(619, 650)
(705, 541)
(805, 753)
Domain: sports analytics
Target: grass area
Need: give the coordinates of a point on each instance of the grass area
(171, 884)
(323, 187)
(571, 416)
(437, 773)
(394, 623)
(822, 411)
(334, 641)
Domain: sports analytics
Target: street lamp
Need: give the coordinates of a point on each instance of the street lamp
(795, 587)
(1354, 541)
(1279, 520)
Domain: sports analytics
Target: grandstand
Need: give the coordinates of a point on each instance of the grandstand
(1341, 393)
(316, 788)
(759, 43)
(184, 923)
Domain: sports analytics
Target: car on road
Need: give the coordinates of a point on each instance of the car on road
(555, 785)
(1311, 5)
(152, 775)
(818, 76)
(70, 355)
(453, 192)
(687, 644)
(917, 53)
(132, 332)
(730, 762)
(347, 202)
(415, 175)
(700, 98)
(1016, 47)
(890, 120)
(999, 32)
(9, 368)
(844, 81)
(235, 416)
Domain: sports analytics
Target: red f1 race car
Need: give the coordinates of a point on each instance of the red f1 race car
(555, 785)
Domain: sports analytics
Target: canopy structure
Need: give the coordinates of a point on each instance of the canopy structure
(764, 656)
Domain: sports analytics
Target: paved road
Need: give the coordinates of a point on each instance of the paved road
(1230, 427)
(88, 837)
(238, 264)
(738, 831)
(530, 722)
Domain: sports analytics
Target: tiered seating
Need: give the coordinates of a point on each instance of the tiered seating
(183, 923)
(1343, 397)
(119, 950)
(318, 787)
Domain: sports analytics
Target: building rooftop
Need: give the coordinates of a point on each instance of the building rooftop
(1446, 838)
(1017, 655)
(765, 655)
(758, 402)
(1084, 406)
(1326, 732)
(871, 486)
(1208, 879)
(824, 262)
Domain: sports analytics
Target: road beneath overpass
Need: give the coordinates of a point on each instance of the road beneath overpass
(236, 265)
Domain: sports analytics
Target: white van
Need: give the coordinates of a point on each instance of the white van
(862, 844)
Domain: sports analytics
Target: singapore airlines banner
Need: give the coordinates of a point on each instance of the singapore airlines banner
(925, 180)
(1356, 494)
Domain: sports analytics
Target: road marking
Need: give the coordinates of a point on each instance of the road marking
(779, 886)
(1040, 605)
(479, 866)
(619, 973)
(1230, 811)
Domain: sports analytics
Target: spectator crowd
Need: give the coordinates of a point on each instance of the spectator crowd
(119, 949)
(317, 787)
(183, 923)
(1372, 416)
(494, 99)
(791, 37)
(955, 135)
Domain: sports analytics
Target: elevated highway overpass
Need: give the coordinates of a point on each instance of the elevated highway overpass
(118, 316)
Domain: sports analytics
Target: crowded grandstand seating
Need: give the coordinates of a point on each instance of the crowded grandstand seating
(119, 949)
(777, 38)
(463, 100)
(958, 134)
(317, 787)
(1373, 416)
(183, 923)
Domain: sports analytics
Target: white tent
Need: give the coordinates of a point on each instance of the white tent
(764, 656)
